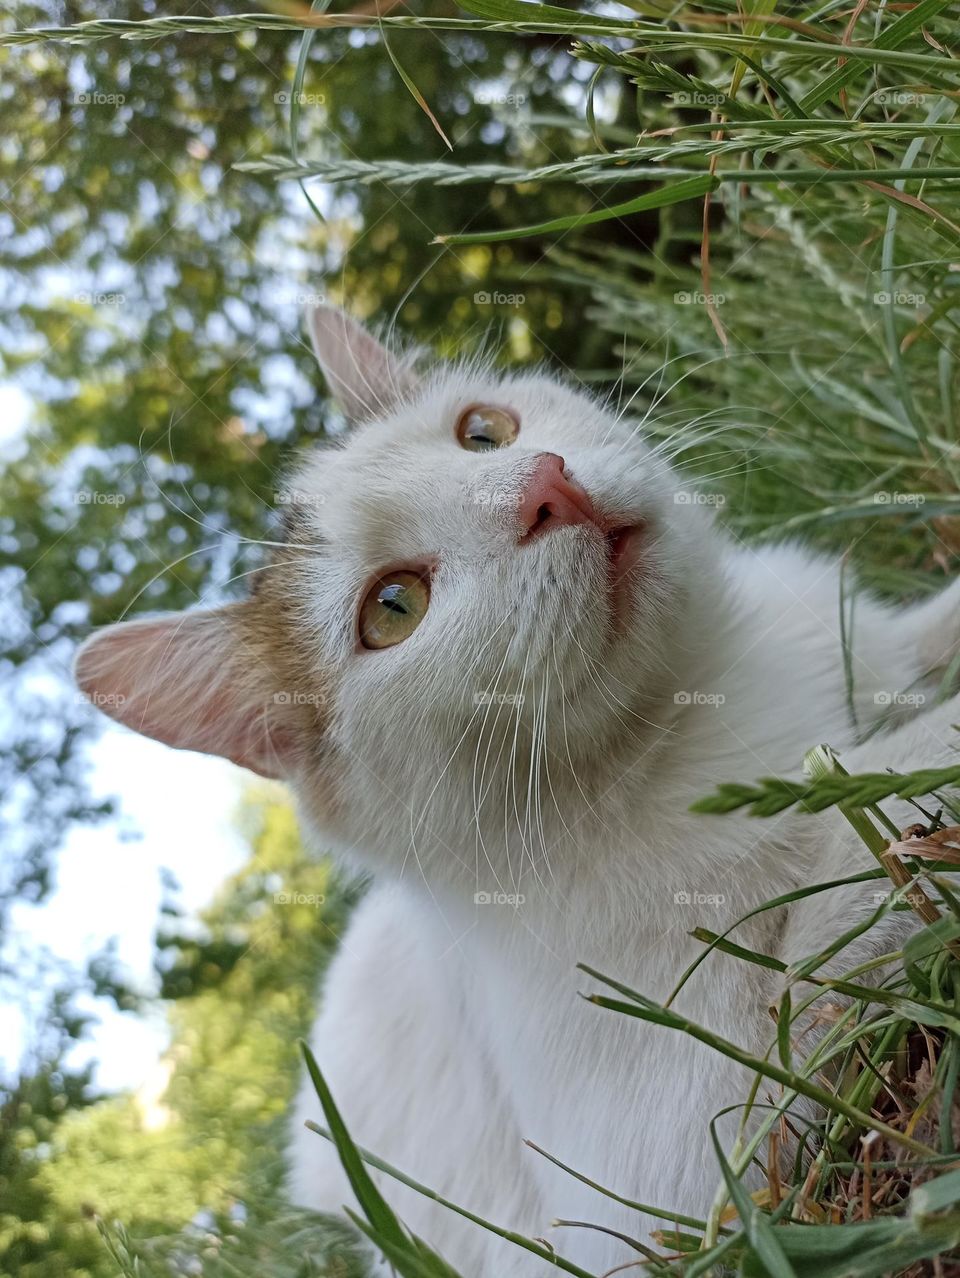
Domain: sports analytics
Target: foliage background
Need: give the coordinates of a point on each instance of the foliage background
(154, 291)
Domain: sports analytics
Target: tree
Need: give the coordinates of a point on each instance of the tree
(154, 322)
(191, 1164)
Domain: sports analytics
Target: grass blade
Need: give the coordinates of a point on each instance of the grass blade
(690, 189)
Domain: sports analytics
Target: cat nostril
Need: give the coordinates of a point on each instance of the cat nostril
(551, 499)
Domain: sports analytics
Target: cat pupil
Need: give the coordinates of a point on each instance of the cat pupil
(391, 599)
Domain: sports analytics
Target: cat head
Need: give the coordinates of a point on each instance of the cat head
(488, 583)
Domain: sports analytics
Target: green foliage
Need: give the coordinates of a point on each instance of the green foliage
(771, 795)
(202, 1140)
(36, 1239)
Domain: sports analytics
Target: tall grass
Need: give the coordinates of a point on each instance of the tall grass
(797, 344)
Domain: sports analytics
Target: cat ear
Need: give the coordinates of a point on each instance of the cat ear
(361, 373)
(195, 681)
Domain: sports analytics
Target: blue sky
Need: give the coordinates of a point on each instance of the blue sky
(109, 885)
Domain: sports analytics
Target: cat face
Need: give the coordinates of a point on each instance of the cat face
(485, 571)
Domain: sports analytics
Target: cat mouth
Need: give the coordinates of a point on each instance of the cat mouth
(624, 548)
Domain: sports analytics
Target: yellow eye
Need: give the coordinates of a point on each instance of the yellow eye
(483, 427)
(393, 608)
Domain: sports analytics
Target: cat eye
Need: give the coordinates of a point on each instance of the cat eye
(484, 427)
(392, 609)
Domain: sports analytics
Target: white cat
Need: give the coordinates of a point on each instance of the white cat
(500, 655)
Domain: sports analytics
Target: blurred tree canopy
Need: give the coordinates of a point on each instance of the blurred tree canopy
(193, 1158)
(153, 317)
(35, 1238)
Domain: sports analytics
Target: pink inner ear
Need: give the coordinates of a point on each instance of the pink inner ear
(187, 681)
(361, 373)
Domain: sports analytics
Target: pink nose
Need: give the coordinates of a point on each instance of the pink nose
(551, 500)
